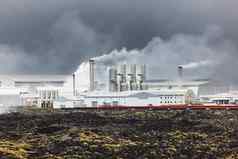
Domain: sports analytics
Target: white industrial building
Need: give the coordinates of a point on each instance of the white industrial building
(9, 97)
(27, 81)
(17, 90)
(193, 85)
(230, 97)
(127, 85)
(47, 96)
(138, 98)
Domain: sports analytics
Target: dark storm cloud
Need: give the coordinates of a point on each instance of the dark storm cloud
(54, 36)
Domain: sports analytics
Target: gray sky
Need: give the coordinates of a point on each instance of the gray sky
(55, 36)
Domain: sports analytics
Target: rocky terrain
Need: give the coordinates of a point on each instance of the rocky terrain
(119, 135)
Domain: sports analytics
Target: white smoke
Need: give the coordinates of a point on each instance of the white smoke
(202, 54)
(119, 56)
(193, 65)
(81, 80)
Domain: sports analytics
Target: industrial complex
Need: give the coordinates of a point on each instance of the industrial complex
(125, 85)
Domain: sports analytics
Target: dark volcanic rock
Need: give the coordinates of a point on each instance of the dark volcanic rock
(121, 134)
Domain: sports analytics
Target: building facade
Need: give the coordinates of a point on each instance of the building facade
(138, 98)
(18, 90)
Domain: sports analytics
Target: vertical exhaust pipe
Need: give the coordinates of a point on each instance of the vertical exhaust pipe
(180, 72)
(74, 89)
(92, 74)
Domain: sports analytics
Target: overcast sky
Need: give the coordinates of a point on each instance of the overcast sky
(55, 36)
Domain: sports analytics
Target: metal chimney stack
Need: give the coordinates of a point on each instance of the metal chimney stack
(74, 89)
(180, 72)
(92, 74)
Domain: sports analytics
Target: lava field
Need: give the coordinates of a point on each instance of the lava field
(119, 135)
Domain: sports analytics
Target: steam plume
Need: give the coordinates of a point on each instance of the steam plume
(163, 56)
(193, 65)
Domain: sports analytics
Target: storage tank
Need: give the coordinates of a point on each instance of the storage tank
(140, 76)
(131, 71)
(121, 70)
(112, 74)
(121, 77)
(131, 76)
(112, 80)
(140, 72)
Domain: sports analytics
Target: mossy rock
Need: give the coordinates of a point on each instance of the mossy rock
(14, 150)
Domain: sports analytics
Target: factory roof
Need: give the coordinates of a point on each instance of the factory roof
(232, 94)
(143, 93)
(34, 78)
(48, 88)
(176, 83)
(9, 91)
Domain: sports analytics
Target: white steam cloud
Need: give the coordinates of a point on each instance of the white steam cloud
(119, 56)
(203, 56)
(204, 53)
(193, 65)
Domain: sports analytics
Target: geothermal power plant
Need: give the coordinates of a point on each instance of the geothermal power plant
(123, 85)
